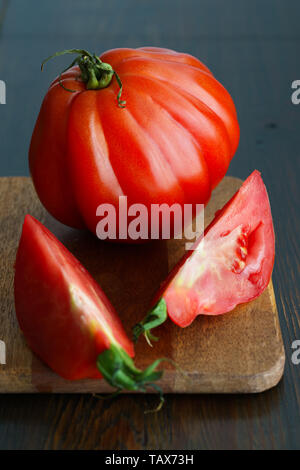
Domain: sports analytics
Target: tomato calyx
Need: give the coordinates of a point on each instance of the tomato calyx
(94, 73)
(155, 317)
(119, 370)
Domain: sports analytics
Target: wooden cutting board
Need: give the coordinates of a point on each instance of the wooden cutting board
(240, 352)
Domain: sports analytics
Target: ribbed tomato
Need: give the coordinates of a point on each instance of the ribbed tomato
(170, 141)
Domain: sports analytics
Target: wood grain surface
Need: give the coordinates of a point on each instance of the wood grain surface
(253, 48)
(241, 351)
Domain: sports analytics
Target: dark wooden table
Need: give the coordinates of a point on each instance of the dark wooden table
(253, 47)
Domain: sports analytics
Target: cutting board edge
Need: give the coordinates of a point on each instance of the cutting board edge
(218, 384)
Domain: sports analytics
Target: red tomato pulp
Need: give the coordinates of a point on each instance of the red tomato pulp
(231, 264)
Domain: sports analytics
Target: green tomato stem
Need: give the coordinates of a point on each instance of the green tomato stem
(156, 317)
(94, 73)
(119, 370)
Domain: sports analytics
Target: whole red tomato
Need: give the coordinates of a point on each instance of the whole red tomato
(170, 138)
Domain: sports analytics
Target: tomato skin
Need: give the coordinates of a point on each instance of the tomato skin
(64, 315)
(231, 264)
(172, 143)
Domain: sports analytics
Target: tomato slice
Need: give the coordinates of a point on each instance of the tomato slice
(67, 319)
(231, 264)
(63, 313)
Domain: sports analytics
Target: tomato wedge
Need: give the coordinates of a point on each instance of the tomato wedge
(65, 316)
(231, 264)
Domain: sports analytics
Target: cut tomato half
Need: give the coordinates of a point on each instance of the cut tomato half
(230, 264)
(66, 318)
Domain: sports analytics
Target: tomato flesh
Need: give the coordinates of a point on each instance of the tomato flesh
(64, 314)
(231, 264)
